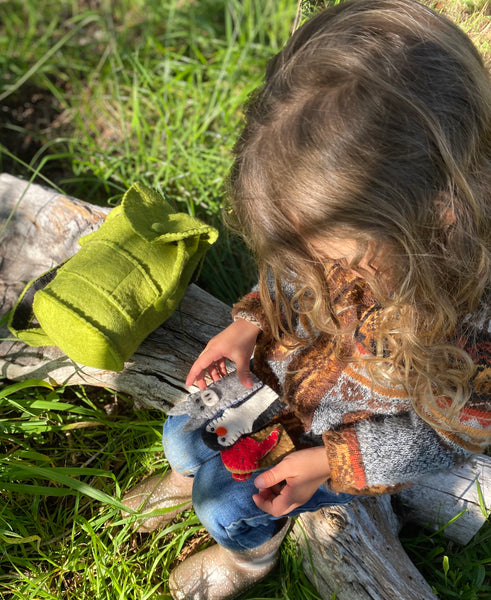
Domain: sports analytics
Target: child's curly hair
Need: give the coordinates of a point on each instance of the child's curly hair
(374, 123)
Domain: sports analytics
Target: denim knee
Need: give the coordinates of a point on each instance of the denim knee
(223, 505)
(185, 450)
(226, 509)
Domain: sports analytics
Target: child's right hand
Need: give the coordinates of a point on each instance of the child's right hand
(236, 343)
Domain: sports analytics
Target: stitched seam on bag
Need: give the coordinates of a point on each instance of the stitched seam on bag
(136, 264)
(105, 294)
(86, 321)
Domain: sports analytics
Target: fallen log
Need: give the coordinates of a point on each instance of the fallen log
(351, 550)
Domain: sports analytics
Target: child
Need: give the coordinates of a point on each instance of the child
(362, 184)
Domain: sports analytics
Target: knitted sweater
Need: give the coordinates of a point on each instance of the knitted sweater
(375, 441)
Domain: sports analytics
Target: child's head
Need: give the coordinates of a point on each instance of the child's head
(374, 125)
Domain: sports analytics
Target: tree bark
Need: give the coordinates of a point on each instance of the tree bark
(439, 497)
(351, 550)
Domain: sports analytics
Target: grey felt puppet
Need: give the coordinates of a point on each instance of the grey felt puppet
(228, 409)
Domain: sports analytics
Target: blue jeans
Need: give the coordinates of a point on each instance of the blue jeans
(223, 505)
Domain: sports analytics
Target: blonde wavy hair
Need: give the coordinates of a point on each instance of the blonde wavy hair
(374, 123)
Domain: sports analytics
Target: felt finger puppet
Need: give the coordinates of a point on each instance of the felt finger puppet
(258, 451)
(126, 280)
(206, 404)
(251, 415)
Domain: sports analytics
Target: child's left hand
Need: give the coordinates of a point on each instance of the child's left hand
(291, 482)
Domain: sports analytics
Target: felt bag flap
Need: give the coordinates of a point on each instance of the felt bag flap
(172, 261)
(203, 405)
(152, 217)
(187, 256)
(22, 322)
(178, 240)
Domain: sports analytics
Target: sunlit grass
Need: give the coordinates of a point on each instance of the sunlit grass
(151, 94)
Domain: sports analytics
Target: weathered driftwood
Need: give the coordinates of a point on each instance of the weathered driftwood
(439, 497)
(352, 550)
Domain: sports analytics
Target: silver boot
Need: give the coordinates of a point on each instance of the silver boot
(220, 574)
(167, 491)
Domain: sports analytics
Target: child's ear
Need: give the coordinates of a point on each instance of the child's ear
(445, 210)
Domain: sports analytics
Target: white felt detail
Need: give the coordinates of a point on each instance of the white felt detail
(238, 421)
(209, 397)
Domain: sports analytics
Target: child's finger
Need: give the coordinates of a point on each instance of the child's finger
(270, 477)
(201, 382)
(198, 369)
(214, 372)
(222, 367)
(276, 506)
(194, 375)
(243, 372)
(262, 503)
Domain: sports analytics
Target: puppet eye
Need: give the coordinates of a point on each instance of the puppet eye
(199, 403)
(209, 397)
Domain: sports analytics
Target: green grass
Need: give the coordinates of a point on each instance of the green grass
(454, 571)
(149, 92)
(93, 100)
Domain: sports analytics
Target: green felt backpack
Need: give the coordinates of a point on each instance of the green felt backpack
(126, 280)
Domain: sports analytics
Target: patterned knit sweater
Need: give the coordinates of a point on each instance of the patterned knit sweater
(375, 441)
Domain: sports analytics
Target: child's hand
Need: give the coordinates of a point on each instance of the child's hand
(291, 482)
(236, 343)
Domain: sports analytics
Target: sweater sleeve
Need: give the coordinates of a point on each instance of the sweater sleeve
(388, 446)
(384, 450)
(384, 454)
(249, 307)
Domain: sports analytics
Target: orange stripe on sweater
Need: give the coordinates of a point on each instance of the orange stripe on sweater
(355, 458)
(469, 414)
(356, 373)
(466, 413)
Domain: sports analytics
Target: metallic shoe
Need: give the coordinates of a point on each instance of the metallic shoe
(167, 491)
(220, 574)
